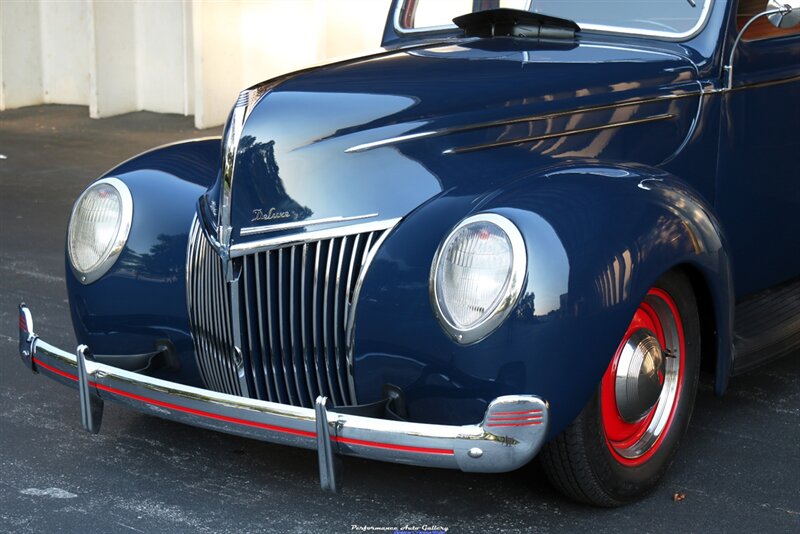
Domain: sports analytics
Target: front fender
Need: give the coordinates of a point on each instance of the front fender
(597, 239)
(139, 305)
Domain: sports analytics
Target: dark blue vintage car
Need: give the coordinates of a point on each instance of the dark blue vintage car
(523, 233)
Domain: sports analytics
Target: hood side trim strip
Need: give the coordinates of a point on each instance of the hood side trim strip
(555, 135)
(507, 122)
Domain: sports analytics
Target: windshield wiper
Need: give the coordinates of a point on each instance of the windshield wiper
(515, 23)
(692, 3)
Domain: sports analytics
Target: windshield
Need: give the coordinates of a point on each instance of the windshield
(673, 19)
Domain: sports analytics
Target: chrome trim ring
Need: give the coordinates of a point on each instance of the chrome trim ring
(511, 292)
(123, 230)
(660, 415)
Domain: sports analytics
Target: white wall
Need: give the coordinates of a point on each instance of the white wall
(113, 56)
(172, 56)
(162, 56)
(272, 37)
(217, 60)
(66, 70)
(22, 54)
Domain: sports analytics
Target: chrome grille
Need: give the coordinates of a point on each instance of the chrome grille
(294, 317)
(209, 300)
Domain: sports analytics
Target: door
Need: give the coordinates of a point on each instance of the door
(758, 178)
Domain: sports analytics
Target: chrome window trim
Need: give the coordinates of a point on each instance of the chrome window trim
(243, 249)
(519, 268)
(600, 28)
(778, 9)
(123, 231)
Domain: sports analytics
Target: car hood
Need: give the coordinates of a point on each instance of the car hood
(375, 137)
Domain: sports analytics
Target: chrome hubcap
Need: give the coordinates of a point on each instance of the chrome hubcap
(640, 375)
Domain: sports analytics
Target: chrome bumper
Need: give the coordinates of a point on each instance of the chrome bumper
(511, 433)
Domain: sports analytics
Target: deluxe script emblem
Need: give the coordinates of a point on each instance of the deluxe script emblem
(271, 215)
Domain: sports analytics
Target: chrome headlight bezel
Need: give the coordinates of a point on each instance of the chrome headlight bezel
(509, 294)
(116, 244)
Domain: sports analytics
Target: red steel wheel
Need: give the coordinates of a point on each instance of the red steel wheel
(634, 433)
(623, 441)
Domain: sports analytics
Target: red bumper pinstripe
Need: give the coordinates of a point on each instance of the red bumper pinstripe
(510, 435)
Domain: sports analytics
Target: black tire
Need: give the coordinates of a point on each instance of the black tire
(582, 461)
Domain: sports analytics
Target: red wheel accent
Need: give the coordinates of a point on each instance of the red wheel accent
(620, 435)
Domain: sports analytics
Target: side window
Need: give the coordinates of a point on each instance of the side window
(760, 29)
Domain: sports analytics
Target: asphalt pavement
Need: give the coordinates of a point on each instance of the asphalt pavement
(738, 469)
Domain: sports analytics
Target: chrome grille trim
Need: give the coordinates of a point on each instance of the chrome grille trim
(291, 318)
(369, 254)
(208, 298)
(243, 249)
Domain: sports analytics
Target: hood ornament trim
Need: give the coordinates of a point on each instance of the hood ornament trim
(245, 104)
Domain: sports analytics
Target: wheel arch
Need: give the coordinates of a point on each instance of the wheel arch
(715, 350)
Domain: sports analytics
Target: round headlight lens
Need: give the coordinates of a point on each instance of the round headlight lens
(98, 228)
(477, 275)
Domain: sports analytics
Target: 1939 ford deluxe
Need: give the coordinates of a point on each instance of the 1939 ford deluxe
(522, 233)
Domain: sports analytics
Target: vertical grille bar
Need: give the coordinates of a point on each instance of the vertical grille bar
(294, 330)
(272, 321)
(280, 318)
(315, 324)
(350, 279)
(338, 323)
(263, 322)
(293, 318)
(303, 343)
(327, 320)
(315, 352)
(251, 329)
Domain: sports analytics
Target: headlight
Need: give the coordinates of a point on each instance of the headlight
(98, 228)
(477, 275)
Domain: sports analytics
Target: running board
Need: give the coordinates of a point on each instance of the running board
(767, 326)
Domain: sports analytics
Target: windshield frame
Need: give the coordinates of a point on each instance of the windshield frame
(705, 15)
